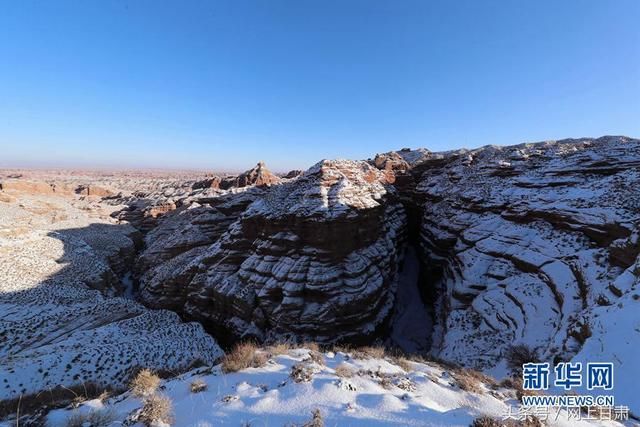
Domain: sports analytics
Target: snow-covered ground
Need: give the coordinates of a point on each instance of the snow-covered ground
(61, 323)
(379, 393)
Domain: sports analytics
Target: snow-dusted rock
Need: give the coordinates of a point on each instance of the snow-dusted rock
(61, 324)
(315, 258)
(529, 241)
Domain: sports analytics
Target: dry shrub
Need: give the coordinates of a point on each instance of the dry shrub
(317, 357)
(433, 360)
(511, 382)
(403, 364)
(313, 346)
(386, 382)
(518, 355)
(244, 355)
(581, 331)
(467, 381)
(145, 383)
(480, 376)
(341, 348)
(406, 384)
(520, 391)
(316, 419)
(279, 348)
(198, 386)
(487, 421)
(516, 384)
(369, 352)
(156, 408)
(57, 397)
(94, 418)
(301, 373)
(344, 371)
(104, 396)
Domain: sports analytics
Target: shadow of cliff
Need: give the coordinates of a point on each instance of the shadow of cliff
(95, 257)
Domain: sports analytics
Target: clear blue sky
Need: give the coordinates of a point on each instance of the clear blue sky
(221, 85)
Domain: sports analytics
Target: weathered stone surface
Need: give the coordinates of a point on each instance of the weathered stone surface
(64, 319)
(293, 174)
(314, 258)
(94, 190)
(527, 239)
(213, 182)
(259, 176)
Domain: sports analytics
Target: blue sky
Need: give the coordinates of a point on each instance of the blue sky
(221, 85)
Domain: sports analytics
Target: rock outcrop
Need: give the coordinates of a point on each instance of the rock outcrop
(527, 240)
(94, 190)
(259, 176)
(314, 258)
(180, 237)
(293, 174)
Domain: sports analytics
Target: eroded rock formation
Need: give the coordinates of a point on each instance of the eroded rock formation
(518, 245)
(314, 258)
(529, 239)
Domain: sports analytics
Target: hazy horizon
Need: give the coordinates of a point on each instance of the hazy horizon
(221, 85)
(61, 166)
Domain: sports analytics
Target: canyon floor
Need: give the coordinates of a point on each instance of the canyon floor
(387, 291)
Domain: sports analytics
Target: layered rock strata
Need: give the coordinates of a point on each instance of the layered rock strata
(314, 258)
(529, 240)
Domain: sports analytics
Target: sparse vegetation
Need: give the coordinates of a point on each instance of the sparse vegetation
(317, 357)
(386, 382)
(403, 364)
(145, 383)
(517, 355)
(486, 421)
(316, 419)
(369, 352)
(313, 346)
(471, 380)
(344, 371)
(244, 355)
(94, 418)
(156, 408)
(301, 373)
(198, 386)
(279, 348)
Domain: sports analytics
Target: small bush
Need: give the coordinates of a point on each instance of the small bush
(156, 408)
(485, 421)
(145, 383)
(279, 348)
(317, 357)
(518, 355)
(313, 346)
(386, 382)
(406, 384)
(369, 352)
(198, 386)
(316, 419)
(244, 355)
(403, 364)
(301, 373)
(344, 371)
(468, 382)
(95, 418)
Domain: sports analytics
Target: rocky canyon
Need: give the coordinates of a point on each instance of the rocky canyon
(459, 256)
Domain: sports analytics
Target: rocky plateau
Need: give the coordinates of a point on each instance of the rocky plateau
(533, 244)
